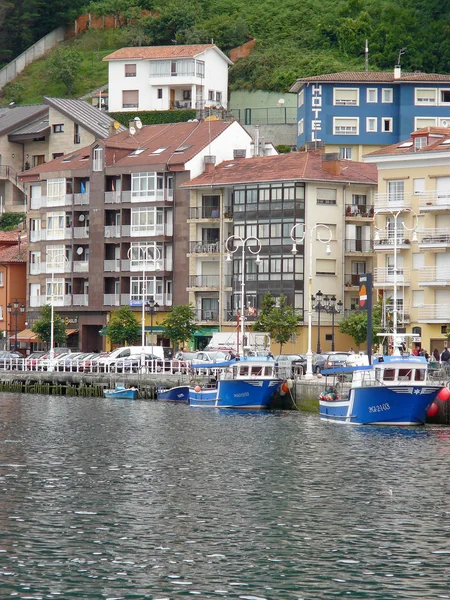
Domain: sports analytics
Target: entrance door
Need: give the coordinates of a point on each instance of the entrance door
(172, 99)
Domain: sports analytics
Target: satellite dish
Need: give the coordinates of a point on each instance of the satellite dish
(81, 218)
(116, 125)
(281, 101)
(80, 251)
(138, 122)
(132, 130)
(445, 123)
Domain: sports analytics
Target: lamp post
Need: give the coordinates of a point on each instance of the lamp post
(319, 307)
(332, 307)
(152, 306)
(53, 261)
(149, 253)
(18, 310)
(395, 214)
(244, 243)
(300, 240)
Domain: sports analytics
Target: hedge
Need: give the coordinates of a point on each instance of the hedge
(154, 117)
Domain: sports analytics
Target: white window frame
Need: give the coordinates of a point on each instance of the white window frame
(417, 119)
(1, 279)
(356, 121)
(419, 102)
(301, 98)
(420, 141)
(56, 223)
(97, 159)
(345, 153)
(56, 191)
(368, 92)
(387, 92)
(300, 127)
(441, 102)
(337, 102)
(370, 120)
(389, 120)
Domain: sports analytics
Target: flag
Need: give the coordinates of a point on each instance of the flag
(82, 188)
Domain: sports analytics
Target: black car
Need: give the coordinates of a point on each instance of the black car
(295, 362)
(329, 360)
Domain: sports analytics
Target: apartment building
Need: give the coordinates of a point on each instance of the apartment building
(108, 223)
(412, 209)
(355, 113)
(264, 198)
(13, 258)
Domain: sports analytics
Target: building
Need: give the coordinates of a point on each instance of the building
(107, 223)
(13, 258)
(413, 201)
(355, 113)
(265, 197)
(167, 78)
(36, 134)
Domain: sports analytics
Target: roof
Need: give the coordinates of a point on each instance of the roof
(9, 237)
(370, 77)
(13, 253)
(295, 166)
(438, 140)
(163, 52)
(18, 116)
(37, 128)
(84, 114)
(78, 159)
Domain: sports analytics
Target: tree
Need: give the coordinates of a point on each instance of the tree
(179, 325)
(277, 318)
(355, 325)
(123, 328)
(123, 11)
(43, 327)
(64, 65)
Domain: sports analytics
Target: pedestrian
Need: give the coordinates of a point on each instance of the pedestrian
(445, 356)
(436, 355)
(415, 351)
(351, 351)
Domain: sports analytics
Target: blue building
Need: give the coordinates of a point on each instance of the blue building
(355, 113)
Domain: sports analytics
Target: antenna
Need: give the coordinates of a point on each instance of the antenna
(366, 56)
(80, 251)
(138, 122)
(400, 54)
(132, 130)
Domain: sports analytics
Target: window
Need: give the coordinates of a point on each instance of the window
(346, 96)
(418, 260)
(345, 153)
(57, 155)
(371, 124)
(445, 96)
(420, 142)
(372, 95)
(425, 96)
(421, 122)
(56, 191)
(1, 279)
(300, 127)
(387, 95)
(97, 159)
(211, 95)
(387, 124)
(349, 126)
(200, 68)
(419, 186)
(130, 70)
(186, 94)
(1, 313)
(59, 128)
(219, 97)
(418, 298)
(326, 196)
(395, 190)
(301, 98)
(38, 159)
(325, 267)
(130, 98)
(159, 93)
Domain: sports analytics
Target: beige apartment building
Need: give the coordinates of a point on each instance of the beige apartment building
(412, 217)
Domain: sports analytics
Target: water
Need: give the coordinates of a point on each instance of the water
(103, 499)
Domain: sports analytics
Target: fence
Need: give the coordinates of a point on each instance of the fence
(286, 115)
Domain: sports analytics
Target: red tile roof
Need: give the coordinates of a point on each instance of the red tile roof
(12, 254)
(438, 141)
(10, 237)
(303, 166)
(159, 52)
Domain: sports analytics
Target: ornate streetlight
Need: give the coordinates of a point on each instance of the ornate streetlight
(18, 310)
(332, 307)
(152, 306)
(244, 243)
(300, 240)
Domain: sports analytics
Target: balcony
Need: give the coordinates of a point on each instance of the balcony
(434, 276)
(112, 266)
(434, 239)
(352, 280)
(358, 211)
(58, 300)
(81, 266)
(81, 233)
(434, 201)
(112, 300)
(37, 301)
(161, 299)
(35, 236)
(113, 197)
(388, 202)
(385, 277)
(386, 242)
(56, 234)
(204, 282)
(81, 199)
(163, 264)
(207, 316)
(434, 313)
(147, 230)
(56, 267)
(357, 246)
(204, 213)
(112, 231)
(80, 299)
(204, 247)
(35, 268)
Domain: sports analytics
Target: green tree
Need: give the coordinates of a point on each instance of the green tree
(179, 325)
(173, 18)
(355, 325)
(43, 326)
(64, 65)
(124, 11)
(277, 318)
(123, 327)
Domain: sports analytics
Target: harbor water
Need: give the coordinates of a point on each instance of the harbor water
(112, 499)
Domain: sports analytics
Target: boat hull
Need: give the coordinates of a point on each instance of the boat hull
(121, 394)
(387, 405)
(176, 394)
(236, 393)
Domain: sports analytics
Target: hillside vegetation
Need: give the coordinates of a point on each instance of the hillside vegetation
(295, 38)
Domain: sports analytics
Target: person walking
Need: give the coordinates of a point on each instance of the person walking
(436, 355)
(445, 356)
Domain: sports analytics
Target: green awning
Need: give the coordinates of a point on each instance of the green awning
(206, 331)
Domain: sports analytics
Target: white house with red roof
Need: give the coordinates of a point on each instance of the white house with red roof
(167, 78)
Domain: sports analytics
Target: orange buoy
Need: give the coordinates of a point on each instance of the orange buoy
(433, 410)
(197, 388)
(285, 388)
(444, 394)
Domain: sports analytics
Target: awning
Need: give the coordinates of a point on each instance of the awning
(204, 331)
(71, 331)
(27, 336)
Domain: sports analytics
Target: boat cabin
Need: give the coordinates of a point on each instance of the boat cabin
(393, 370)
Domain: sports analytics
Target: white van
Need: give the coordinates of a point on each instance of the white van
(126, 351)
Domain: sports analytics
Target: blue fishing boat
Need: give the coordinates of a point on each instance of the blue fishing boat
(250, 383)
(121, 392)
(179, 393)
(394, 390)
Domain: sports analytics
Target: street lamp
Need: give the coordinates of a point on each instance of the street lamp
(300, 240)
(332, 307)
(243, 243)
(319, 307)
(149, 253)
(395, 214)
(18, 310)
(152, 305)
(54, 259)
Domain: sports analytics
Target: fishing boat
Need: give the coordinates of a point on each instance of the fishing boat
(121, 392)
(249, 383)
(179, 393)
(394, 390)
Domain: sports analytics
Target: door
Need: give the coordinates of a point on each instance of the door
(172, 99)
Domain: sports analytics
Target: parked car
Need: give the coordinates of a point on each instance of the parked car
(32, 359)
(296, 362)
(11, 360)
(211, 357)
(132, 364)
(329, 360)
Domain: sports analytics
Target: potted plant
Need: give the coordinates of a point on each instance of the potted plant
(228, 215)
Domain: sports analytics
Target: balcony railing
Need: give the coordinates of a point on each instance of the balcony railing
(163, 264)
(204, 212)
(56, 234)
(112, 266)
(435, 200)
(35, 268)
(352, 280)
(36, 301)
(358, 246)
(80, 299)
(204, 281)
(164, 195)
(386, 202)
(385, 276)
(58, 300)
(434, 238)
(147, 230)
(204, 247)
(113, 197)
(80, 266)
(207, 315)
(434, 276)
(387, 241)
(56, 267)
(434, 313)
(81, 233)
(112, 299)
(112, 231)
(35, 236)
(81, 199)
(161, 299)
(358, 211)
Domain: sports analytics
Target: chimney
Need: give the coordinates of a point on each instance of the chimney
(397, 72)
(331, 163)
(209, 162)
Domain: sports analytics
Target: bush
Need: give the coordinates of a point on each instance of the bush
(154, 117)
(10, 221)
